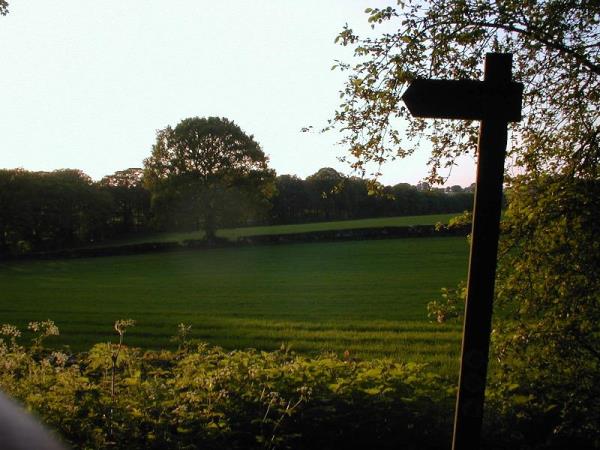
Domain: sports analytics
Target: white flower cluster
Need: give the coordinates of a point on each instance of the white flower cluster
(46, 328)
(9, 330)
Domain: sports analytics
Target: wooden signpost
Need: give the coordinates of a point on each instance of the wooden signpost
(495, 101)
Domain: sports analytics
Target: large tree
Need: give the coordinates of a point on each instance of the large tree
(548, 279)
(206, 172)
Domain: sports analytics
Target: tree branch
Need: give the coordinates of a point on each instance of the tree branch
(595, 68)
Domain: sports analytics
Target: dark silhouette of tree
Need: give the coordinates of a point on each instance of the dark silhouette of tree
(206, 173)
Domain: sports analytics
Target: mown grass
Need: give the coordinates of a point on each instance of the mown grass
(367, 297)
(233, 233)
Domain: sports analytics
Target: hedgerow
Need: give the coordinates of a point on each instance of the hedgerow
(204, 397)
(198, 396)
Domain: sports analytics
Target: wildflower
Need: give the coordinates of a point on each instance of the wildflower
(10, 330)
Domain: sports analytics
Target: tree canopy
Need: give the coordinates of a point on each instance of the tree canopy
(208, 169)
(556, 47)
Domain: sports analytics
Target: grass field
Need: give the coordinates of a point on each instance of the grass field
(233, 233)
(367, 297)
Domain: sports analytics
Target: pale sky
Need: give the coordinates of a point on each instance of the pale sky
(85, 84)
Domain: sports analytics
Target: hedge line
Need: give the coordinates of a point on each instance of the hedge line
(357, 234)
(115, 396)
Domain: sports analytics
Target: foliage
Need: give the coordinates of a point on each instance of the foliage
(556, 55)
(465, 219)
(451, 306)
(202, 396)
(547, 337)
(549, 289)
(3, 7)
(210, 170)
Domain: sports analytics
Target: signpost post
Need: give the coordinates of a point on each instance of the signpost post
(495, 101)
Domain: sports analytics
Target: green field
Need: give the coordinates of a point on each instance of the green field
(233, 233)
(367, 297)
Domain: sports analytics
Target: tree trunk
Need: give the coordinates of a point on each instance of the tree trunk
(209, 227)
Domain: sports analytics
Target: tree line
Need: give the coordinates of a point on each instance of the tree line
(328, 195)
(42, 211)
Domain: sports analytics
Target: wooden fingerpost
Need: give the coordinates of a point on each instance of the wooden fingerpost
(495, 101)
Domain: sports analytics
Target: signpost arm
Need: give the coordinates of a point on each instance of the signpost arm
(482, 267)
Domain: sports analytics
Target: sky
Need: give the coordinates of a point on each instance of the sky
(85, 84)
